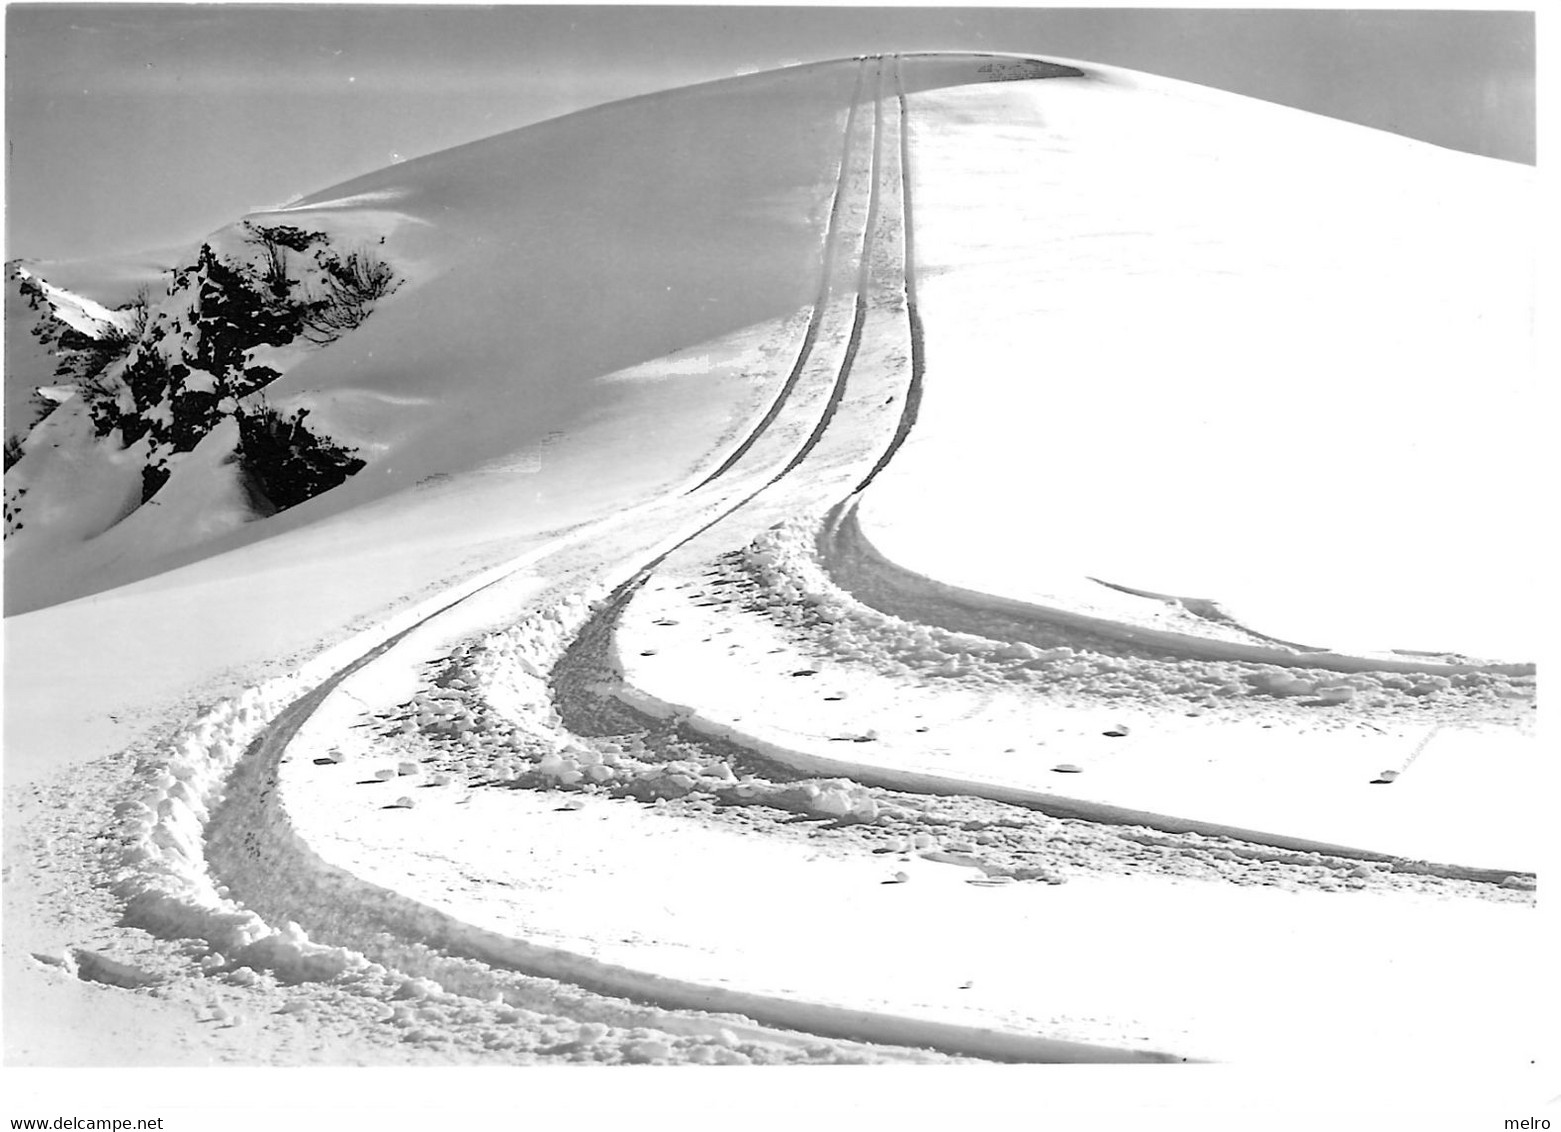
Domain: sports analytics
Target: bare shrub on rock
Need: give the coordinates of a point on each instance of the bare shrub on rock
(285, 461)
(352, 285)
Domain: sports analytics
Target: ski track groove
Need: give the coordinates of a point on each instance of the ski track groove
(837, 391)
(863, 282)
(820, 302)
(912, 407)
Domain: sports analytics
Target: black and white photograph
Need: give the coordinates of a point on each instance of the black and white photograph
(747, 566)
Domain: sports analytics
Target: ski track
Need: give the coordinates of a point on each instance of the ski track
(207, 840)
(863, 281)
(820, 302)
(913, 317)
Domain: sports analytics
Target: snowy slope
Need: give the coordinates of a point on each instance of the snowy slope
(37, 314)
(386, 759)
(1216, 348)
(29, 361)
(538, 263)
(79, 312)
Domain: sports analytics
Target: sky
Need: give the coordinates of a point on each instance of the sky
(133, 127)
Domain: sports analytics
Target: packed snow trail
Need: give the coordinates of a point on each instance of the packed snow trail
(918, 362)
(252, 861)
(863, 282)
(820, 301)
(272, 871)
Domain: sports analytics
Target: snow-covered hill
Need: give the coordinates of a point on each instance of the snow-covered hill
(706, 662)
(1215, 348)
(549, 259)
(47, 327)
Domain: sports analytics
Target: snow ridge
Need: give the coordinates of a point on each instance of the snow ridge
(858, 566)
